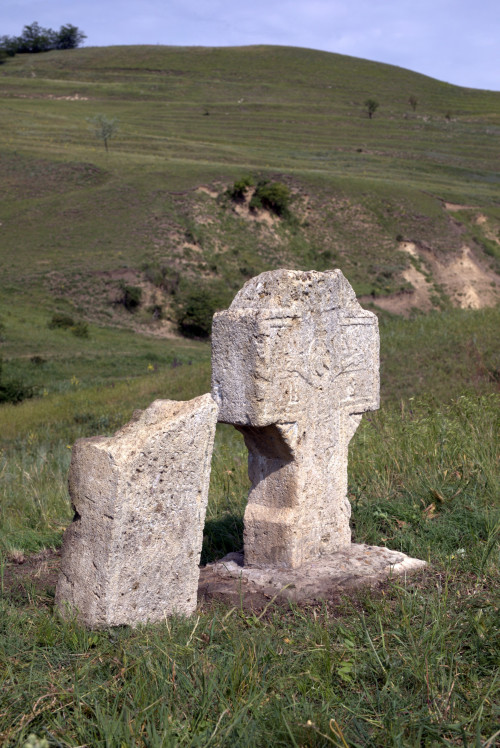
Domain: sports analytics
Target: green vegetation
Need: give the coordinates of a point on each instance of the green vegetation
(239, 189)
(130, 297)
(61, 321)
(415, 660)
(35, 38)
(13, 390)
(65, 322)
(371, 107)
(273, 196)
(162, 227)
(159, 200)
(196, 308)
(104, 128)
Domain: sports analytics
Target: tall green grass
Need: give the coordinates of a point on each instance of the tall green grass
(439, 355)
(413, 664)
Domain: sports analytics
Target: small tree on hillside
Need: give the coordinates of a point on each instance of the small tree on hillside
(104, 128)
(413, 101)
(371, 107)
(69, 37)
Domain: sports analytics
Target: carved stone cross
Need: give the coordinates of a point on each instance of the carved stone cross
(295, 362)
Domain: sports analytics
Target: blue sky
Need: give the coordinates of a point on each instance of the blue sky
(457, 41)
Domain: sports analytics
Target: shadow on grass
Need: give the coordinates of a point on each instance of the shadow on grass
(221, 536)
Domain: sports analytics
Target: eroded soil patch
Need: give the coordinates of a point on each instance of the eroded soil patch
(464, 278)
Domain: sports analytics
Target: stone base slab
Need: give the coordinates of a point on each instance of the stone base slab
(322, 579)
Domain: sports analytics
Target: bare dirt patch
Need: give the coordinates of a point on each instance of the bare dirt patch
(255, 215)
(487, 228)
(52, 97)
(98, 294)
(455, 207)
(37, 573)
(465, 279)
(213, 193)
(421, 296)
(76, 97)
(468, 283)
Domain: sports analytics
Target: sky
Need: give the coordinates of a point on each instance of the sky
(457, 41)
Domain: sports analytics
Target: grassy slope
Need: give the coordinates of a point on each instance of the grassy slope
(413, 666)
(74, 219)
(198, 116)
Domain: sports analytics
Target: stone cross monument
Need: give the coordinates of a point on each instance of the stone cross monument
(295, 363)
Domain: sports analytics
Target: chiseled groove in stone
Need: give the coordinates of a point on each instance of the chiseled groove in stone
(131, 555)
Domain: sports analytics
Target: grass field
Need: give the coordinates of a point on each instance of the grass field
(194, 118)
(412, 663)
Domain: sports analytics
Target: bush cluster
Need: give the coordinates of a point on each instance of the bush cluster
(130, 297)
(237, 191)
(196, 306)
(61, 321)
(13, 390)
(35, 38)
(272, 196)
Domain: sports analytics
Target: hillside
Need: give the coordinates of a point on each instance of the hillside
(405, 203)
(105, 253)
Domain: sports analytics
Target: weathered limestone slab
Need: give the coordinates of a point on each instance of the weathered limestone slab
(132, 552)
(324, 578)
(295, 362)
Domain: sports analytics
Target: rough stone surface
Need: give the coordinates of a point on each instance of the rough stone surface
(132, 552)
(323, 579)
(295, 362)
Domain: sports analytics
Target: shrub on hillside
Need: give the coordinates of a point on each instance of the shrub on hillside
(103, 127)
(163, 277)
(80, 330)
(13, 390)
(130, 297)
(272, 196)
(238, 190)
(196, 308)
(61, 321)
(371, 107)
